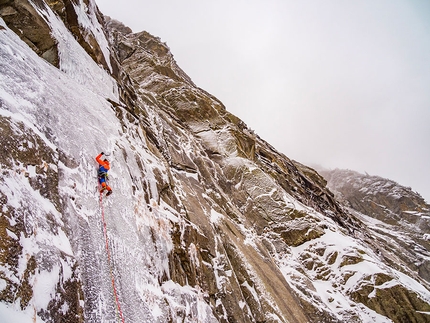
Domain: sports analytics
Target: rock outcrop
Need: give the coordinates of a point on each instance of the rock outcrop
(398, 220)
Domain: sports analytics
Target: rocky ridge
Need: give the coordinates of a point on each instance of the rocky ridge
(208, 221)
(398, 216)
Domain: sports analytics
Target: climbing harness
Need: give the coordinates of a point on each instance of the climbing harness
(102, 174)
(118, 306)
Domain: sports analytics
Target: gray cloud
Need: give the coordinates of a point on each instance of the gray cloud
(337, 83)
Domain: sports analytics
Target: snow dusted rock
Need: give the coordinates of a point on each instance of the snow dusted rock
(207, 222)
(22, 17)
(38, 265)
(398, 217)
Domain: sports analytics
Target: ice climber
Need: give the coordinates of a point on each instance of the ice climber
(102, 174)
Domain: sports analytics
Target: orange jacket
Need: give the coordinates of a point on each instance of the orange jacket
(103, 163)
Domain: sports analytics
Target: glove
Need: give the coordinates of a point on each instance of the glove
(102, 153)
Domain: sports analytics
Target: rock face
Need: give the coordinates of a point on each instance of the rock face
(207, 222)
(397, 216)
(23, 19)
(398, 222)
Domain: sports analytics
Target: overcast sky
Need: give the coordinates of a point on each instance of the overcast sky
(337, 83)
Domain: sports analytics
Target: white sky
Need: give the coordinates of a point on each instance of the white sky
(336, 83)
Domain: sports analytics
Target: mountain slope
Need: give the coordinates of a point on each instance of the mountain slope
(207, 221)
(398, 217)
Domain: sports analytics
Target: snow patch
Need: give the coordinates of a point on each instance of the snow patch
(215, 216)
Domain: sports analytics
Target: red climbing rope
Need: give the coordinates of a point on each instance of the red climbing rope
(109, 260)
